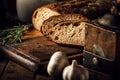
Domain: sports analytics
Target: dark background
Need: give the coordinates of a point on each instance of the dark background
(8, 14)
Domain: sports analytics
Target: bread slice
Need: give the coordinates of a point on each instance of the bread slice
(65, 29)
(69, 32)
(50, 23)
(42, 14)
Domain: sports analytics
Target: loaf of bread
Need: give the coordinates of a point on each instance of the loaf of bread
(65, 29)
(92, 9)
(59, 8)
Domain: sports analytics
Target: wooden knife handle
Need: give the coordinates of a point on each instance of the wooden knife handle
(26, 60)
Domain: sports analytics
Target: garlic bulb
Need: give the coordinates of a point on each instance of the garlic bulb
(57, 63)
(75, 72)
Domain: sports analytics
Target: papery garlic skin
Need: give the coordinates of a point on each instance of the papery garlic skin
(75, 72)
(57, 63)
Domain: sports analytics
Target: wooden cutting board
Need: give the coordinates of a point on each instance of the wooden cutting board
(37, 45)
(34, 43)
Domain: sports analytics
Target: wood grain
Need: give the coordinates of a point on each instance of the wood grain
(16, 72)
(3, 63)
(34, 43)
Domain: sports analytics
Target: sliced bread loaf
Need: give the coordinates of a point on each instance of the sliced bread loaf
(92, 9)
(49, 24)
(47, 11)
(65, 29)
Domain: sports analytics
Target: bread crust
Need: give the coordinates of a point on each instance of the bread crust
(38, 18)
(89, 8)
(59, 8)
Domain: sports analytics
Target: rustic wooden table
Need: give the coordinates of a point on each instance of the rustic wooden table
(9, 70)
(34, 44)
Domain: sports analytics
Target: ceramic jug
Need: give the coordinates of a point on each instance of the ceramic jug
(25, 8)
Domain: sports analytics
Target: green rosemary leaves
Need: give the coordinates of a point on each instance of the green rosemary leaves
(13, 34)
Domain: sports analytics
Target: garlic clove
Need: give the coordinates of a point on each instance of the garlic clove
(75, 72)
(57, 63)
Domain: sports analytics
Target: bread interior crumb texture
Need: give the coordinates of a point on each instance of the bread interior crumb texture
(69, 32)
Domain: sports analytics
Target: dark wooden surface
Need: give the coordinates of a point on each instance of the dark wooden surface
(37, 45)
(3, 63)
(34, 43)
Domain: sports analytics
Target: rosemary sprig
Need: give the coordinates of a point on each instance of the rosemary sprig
(13, 34)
